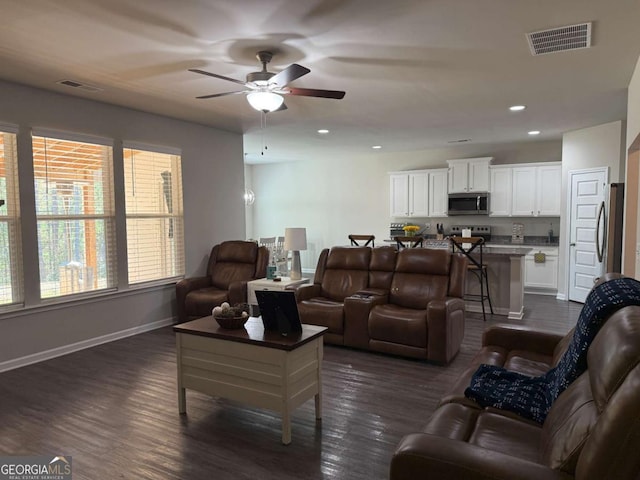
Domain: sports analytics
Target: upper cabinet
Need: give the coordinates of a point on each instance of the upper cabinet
(438, 195)
(469, 175)
(419, 193)
(526, 190)
(500, 188)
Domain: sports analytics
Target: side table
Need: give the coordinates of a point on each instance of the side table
(285, 283)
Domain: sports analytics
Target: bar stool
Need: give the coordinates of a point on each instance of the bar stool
(467, 245)
(406, 242)
(368, 238)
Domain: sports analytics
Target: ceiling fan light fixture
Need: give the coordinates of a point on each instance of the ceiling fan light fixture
(265, 101)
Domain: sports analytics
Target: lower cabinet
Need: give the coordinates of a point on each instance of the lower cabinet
(541, 276)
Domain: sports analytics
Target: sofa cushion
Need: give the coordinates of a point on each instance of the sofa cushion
(226, 273)
(323, 312)
(486, 429)
(395, 324)
(201, 302)
(521, 361)
(346, 271)
(383, 261)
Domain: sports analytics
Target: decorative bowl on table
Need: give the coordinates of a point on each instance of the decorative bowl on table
(230, 317)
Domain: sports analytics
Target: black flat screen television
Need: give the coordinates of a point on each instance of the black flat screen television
(279, 311)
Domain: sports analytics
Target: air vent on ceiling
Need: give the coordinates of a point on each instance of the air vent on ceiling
(571, 37)
(79, 86)
(462, 140)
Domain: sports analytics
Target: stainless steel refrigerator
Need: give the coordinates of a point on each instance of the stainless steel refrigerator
(609, 229)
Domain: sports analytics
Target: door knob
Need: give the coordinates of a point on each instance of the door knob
(572, 244)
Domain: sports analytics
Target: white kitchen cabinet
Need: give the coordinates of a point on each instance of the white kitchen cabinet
(524, 191)
(541, 277)
(418, 193)
(500, 189)
(399, 194)
(409, 194)
(438, 193)
(548, 190)
(469, 175)
(536, 190)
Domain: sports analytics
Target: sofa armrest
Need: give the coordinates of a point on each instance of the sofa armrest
(237, 292)
(356, 316)
(306, 292)
(183, 287)
(445, 328)
(421, 455)
(514, 337)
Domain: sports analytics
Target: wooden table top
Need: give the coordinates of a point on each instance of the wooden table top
(253, 332)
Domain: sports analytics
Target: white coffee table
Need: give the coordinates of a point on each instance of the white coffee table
(249, 365)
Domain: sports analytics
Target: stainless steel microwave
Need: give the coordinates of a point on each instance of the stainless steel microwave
(469, 203)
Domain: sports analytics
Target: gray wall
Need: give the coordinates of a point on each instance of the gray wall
(213, 183)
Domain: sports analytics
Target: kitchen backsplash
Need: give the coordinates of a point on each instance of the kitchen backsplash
(500, 226)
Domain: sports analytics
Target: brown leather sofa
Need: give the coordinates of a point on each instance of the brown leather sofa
(592, 431)
(231, 265)
(404, 303)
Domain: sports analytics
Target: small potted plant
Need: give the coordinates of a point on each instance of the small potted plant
(231, 317)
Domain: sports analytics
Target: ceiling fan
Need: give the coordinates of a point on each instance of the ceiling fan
(265, 89)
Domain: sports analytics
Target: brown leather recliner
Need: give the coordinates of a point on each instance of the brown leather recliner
(424, 315)
(592, 431)
(341, 272)
(231, 265)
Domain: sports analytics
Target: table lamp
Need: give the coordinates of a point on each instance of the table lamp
(295, 239)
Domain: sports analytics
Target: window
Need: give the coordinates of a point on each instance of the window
(10, 244)
(75, 216)
(153, 189)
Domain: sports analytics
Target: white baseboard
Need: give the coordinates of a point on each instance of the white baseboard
(561, 296)
(74, 347)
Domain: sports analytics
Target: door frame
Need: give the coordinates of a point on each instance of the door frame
(567, 247)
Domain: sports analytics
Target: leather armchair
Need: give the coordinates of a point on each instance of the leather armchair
(231, 265)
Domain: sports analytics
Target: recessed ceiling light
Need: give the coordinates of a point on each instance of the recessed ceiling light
(377, 147)
(517, 108)
(534, 132)
(323, 131)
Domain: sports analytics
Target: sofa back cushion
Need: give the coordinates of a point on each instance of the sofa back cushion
(421, 275)
(383, 261)
(593, 428)
(346, 271)
(232, 261)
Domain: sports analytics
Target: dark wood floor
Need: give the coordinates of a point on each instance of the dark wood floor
(113, 408)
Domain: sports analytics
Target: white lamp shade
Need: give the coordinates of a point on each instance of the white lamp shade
(265, 101)
(295, 238)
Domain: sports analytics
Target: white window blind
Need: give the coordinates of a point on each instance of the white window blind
(11, 280)
(155, 241)
(75, 215)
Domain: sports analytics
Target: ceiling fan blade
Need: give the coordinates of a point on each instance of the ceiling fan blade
(221, 94)
(312, 92)
(289, 74)
(215, 75)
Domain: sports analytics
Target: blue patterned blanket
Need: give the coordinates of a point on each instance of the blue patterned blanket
(532, 397)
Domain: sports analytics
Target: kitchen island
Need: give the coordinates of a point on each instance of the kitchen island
(505, 267)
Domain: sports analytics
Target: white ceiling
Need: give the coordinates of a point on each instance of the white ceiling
(418, 73)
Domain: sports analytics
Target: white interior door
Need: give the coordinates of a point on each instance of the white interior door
(587, 194)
